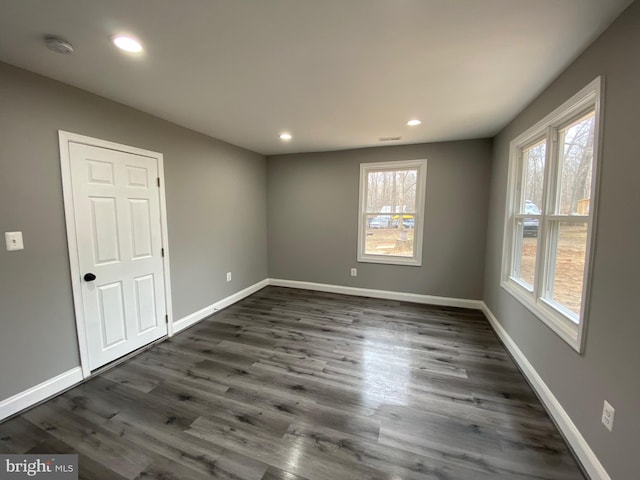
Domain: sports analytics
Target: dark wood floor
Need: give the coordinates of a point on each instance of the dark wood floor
(292, 384)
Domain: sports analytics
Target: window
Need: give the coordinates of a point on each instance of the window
(392, 212)
(549, 220)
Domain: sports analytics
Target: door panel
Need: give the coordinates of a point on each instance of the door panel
(140, 227)
(105, 230)
(138, 176)
(117, 214)
(145, 303)
(100, 172)
(112, 317)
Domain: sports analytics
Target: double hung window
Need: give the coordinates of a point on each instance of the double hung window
(391, 214)
(550, 214)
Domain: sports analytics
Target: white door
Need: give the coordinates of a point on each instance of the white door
(116, 204)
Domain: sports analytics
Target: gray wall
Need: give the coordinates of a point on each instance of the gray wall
(217, 213)
(216, 217)
(609, 367)
(313, 215)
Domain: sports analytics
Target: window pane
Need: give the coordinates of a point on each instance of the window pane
(576, 158)
(389, 235)
(391, 205)
(527, 250)
(534, 159)
(570, 257)
(392, 191)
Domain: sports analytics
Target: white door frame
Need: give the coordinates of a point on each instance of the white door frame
(72, 241)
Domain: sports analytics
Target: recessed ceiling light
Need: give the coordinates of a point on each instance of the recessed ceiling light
(126, 43)
(414, 122)
(285, 136)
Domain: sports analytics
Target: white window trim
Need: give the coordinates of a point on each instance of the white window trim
(552, 315)
(418, 228)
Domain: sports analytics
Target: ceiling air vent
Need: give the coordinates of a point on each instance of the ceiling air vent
(388, 139)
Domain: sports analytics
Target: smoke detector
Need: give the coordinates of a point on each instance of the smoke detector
(58, 45)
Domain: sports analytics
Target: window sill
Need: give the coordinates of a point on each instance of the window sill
(560, 324)
(390, 260)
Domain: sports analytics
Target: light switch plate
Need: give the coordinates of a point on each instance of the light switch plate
(14, 241)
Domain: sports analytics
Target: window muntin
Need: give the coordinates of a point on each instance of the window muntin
(550, 214)
(391, 212)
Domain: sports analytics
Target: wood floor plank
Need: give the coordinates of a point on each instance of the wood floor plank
(274, 473)
(88, 469)
(302, 385)
(19, 436)
(387, 461)
(294, 409)
(90, 440)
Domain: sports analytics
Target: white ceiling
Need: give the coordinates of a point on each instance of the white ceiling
(335, 73)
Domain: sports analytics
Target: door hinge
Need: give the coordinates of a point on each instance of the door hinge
(166, 318)
(158, 182)
(162, 252)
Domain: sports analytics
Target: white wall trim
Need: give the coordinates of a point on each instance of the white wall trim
(386, 294)
(571, 433)
(587, 457)
(56, 385)
(583, 451)
(195, 317)
(40, 392)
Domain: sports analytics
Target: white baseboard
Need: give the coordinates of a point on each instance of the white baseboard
(578, 443)
(62, 382)
(583, 451)
(40, 392)
(385, 294)
(195, 317)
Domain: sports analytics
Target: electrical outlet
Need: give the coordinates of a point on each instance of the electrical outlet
(354, 272)
(228, 276)
(608, 414)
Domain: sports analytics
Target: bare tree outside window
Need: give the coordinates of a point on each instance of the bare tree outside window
(534, 164)
(576, 141)
(393, 191)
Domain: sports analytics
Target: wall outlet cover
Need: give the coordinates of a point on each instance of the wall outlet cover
(13, 241)
(608, 415)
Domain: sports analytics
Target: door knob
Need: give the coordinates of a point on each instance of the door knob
(89, 277)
